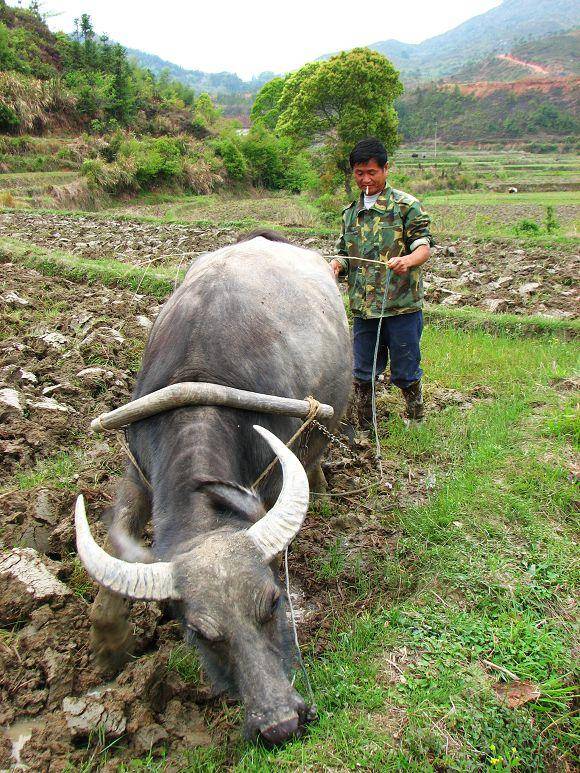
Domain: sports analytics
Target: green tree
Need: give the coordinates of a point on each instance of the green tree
(7, 58)
(87, 35)
(337, 102)
(205, 111)
(266, 107)
(122, 105)
(266, 156)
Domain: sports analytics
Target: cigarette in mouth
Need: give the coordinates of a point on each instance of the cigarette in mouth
(367, 191)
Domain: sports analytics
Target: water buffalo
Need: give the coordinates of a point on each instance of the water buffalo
(263, 317)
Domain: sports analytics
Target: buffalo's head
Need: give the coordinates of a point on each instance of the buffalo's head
(228, 596)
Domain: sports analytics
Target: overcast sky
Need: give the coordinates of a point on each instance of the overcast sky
(253, 36)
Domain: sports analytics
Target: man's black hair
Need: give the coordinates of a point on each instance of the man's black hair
(265, 233)
(366, 150)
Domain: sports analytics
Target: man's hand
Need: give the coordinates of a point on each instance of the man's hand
(399, 265)
(403, 263)
(336, 267)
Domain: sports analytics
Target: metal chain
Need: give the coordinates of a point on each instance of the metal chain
(334, 438)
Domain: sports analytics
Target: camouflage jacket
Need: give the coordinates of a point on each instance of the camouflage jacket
(396, 225)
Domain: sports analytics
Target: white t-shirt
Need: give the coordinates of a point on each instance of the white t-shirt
(370, 201)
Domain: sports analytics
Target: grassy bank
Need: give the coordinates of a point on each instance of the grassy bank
(159, 282)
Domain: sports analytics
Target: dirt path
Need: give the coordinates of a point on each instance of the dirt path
(535, 68)
(494, 275)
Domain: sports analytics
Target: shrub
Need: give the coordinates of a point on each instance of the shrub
(154, 160)
(330, 207)
(111, 178)
(131, 164)
(32, 104)
(274, 163)
(299, 175)
(8, 118)
(7, 199)
(550, 223)
(542, 147)
(527, 227)
(234, 160)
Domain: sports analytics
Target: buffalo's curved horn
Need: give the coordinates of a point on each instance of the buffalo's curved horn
(276, 530)
(147, 582)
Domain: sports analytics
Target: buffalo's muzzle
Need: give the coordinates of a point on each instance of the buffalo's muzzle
(281, 728)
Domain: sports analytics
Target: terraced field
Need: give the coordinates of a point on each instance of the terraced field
(496, 170)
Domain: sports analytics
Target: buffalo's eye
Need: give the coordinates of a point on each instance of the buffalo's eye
(205, 632)
(275, 602)
(267, 601)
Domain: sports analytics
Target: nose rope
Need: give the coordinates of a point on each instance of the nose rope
(295, 632)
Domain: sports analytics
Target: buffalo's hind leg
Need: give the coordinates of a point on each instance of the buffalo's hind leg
(111, 633)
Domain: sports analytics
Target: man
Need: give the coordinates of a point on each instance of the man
(386, 298)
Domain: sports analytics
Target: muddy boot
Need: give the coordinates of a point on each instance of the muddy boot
(364, 408)
(349, 420)
(359, 414)
(413, 395)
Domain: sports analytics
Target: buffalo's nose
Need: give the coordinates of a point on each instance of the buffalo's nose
(281, 731)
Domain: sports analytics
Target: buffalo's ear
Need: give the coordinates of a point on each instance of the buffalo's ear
(235, 498)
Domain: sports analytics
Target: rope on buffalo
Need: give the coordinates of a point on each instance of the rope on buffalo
(312, 414)
(295, 631)
(127, 450)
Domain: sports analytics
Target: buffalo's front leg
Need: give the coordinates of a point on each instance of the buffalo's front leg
(317, 480)
(111, 633)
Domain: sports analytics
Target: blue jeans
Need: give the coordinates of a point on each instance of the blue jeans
(400, 338)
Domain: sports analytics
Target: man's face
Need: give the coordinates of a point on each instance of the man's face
(369, 173)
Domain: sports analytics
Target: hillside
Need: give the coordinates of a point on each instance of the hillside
(527, 91)
(549, 57)
(56, 82)
(487, 111)
(496, 30)
(210, 82)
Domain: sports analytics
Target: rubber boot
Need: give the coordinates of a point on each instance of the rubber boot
(364, 407)
(359, 412)
(413, 395)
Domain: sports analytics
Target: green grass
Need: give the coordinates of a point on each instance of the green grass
(79, 581)
(60, 470)
(184, 661)
(470, 318)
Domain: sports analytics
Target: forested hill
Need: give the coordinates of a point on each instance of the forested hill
(495, 31)
(53, 81)
(198, 80)
(531, 91)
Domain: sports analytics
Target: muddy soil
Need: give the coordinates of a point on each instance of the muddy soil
(69, 352)
(495, 275)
